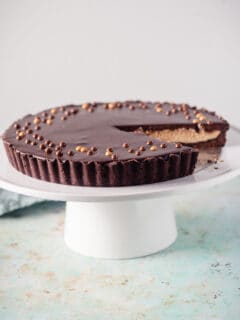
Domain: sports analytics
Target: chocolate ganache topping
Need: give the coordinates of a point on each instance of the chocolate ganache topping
(93, 143)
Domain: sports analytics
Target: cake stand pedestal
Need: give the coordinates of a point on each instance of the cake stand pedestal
(120, 229)
(123, 222)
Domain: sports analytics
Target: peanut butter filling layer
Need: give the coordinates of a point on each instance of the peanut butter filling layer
(183, 135)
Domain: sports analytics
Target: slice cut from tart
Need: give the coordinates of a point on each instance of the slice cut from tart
(112, 144)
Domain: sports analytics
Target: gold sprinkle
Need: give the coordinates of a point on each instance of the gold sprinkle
(153, 148)
(195, 121)
(108, 153)
(159, 109)
(78, 148)
(85, 106)
(36, 120)
(83, 149)
(53, 111)
(21, 134)
(111, 106)
(49, 121)
(198, 115)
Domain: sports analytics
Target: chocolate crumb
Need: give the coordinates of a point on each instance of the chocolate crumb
(114, 157)
(62, 144)
(42, 146)
(59, 153)
(51, 144)
(17, 126)
(163, 145)
(48, 150)
(70, 153)
(178, 145)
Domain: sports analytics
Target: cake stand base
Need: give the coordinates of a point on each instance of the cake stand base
(120, 229)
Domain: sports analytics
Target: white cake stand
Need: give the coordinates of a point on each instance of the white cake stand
(123, 222)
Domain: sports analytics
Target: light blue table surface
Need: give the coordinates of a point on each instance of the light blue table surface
(196, 278)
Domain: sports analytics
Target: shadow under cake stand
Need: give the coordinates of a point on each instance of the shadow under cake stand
(123, 222)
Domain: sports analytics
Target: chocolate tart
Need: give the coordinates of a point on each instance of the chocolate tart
(112, 144)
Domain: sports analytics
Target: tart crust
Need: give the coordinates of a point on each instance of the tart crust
(114, 173)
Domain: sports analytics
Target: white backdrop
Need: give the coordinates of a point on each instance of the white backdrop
(61, 51)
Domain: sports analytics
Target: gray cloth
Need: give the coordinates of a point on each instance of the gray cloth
(10, 201)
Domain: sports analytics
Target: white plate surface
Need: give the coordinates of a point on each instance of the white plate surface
(13, 180)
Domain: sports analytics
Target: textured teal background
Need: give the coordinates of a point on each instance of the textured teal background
(196, 278)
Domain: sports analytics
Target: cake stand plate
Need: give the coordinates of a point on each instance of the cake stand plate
(123, 222)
